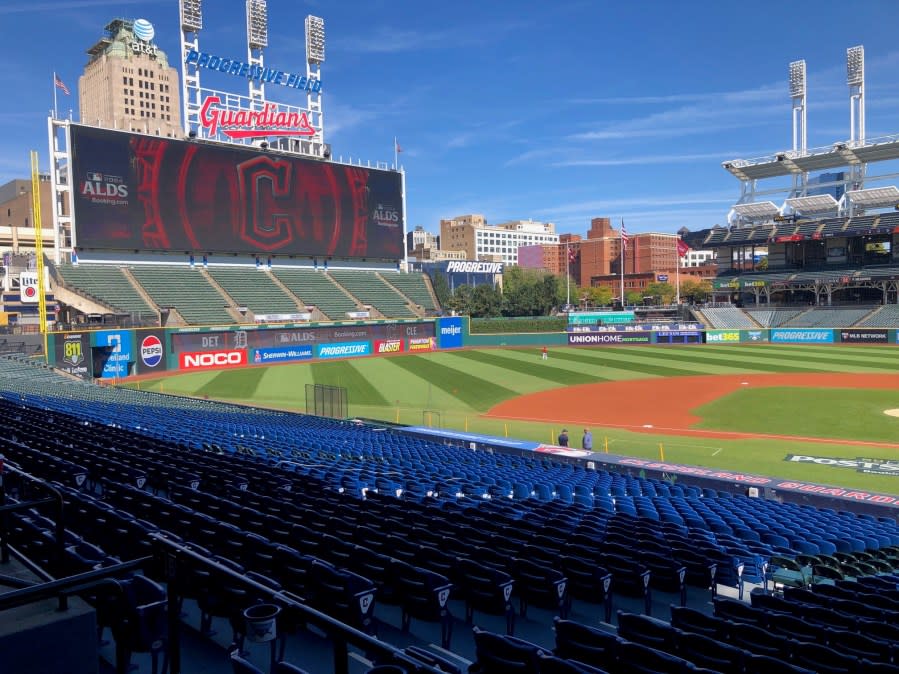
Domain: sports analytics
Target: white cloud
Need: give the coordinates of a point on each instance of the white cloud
(26, 7)
(646, 160)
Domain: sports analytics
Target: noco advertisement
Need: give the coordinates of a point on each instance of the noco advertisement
(137, 192)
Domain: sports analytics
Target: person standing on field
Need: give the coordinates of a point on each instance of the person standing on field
(545, 354)
(563, 438)
(587, 442)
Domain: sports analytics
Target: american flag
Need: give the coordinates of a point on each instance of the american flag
(61, 85)
(624, 237)
(572, 254)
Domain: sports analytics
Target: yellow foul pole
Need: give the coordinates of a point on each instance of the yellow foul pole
(39, 249)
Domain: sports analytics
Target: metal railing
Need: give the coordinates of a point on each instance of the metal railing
(342, 636)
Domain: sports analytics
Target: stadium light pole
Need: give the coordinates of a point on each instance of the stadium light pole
(798, 96)
(315, 56)
(855, 78)
(800, 117)
(257, 40)
(191, 20)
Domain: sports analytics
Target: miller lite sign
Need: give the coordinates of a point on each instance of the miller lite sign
(28, 289)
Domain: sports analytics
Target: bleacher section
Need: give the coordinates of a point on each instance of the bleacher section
(727, 318)
(253, 289)
(369, 287)
(316, 289)
(185, 290)
(108, 285)
(773, 318)
(414, 286)
(827, 317)
(335, 512)
(886, 316)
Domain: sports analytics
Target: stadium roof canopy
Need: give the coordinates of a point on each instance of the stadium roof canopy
(875, 197)
(790, 162)
(818, 203)
(757, 209)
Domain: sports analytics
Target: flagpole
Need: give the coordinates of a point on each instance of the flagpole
(677, 269)
(396, 160)
(55, 113)
(567, 273)
(621, 239)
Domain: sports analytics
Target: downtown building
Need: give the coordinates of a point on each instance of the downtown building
(497, 243)
(128, 83)
(597, 260)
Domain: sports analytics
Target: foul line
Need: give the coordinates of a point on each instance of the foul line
(688, 432)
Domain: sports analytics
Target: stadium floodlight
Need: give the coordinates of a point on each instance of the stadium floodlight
(817, 203)
(257, 24)
(855, 65)
(797, 78)
(191, 15)
(315, 39)
(875, 197)
(757, 209)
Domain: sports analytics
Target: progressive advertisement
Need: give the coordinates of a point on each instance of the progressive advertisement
(137, 192)
(802, 335)
(608, 338)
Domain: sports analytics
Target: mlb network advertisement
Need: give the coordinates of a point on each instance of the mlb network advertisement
(137, 192)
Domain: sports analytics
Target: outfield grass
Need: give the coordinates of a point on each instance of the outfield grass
(453, 389)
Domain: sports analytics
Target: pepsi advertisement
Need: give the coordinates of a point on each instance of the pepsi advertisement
(150, 351)
(137, 192)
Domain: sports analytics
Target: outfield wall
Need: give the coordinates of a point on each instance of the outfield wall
(120, 353)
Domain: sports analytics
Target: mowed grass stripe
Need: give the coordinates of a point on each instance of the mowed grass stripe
(477, 393)
(818, 361)
(609, 356)
(729, 364)
(342, 373)
(233, 384)
(535, 368)
(884, 357)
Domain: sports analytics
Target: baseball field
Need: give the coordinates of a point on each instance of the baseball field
(737, 407)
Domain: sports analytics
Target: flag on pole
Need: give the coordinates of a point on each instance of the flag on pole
(572, 254)
(398, 148)
(624, 237)
(61, 85)
(682, 248)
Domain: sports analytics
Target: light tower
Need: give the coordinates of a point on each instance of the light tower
(798, 97)
(257, 40)
(855, 77)
(315, 56)
(191, 13)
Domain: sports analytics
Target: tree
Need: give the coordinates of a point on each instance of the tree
(695, 290)
(633, 297)
(661, 291)
(598, 297)
(486, 301)
(460, 302)
(441, 288)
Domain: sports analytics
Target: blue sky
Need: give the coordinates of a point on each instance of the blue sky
(554, 111)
